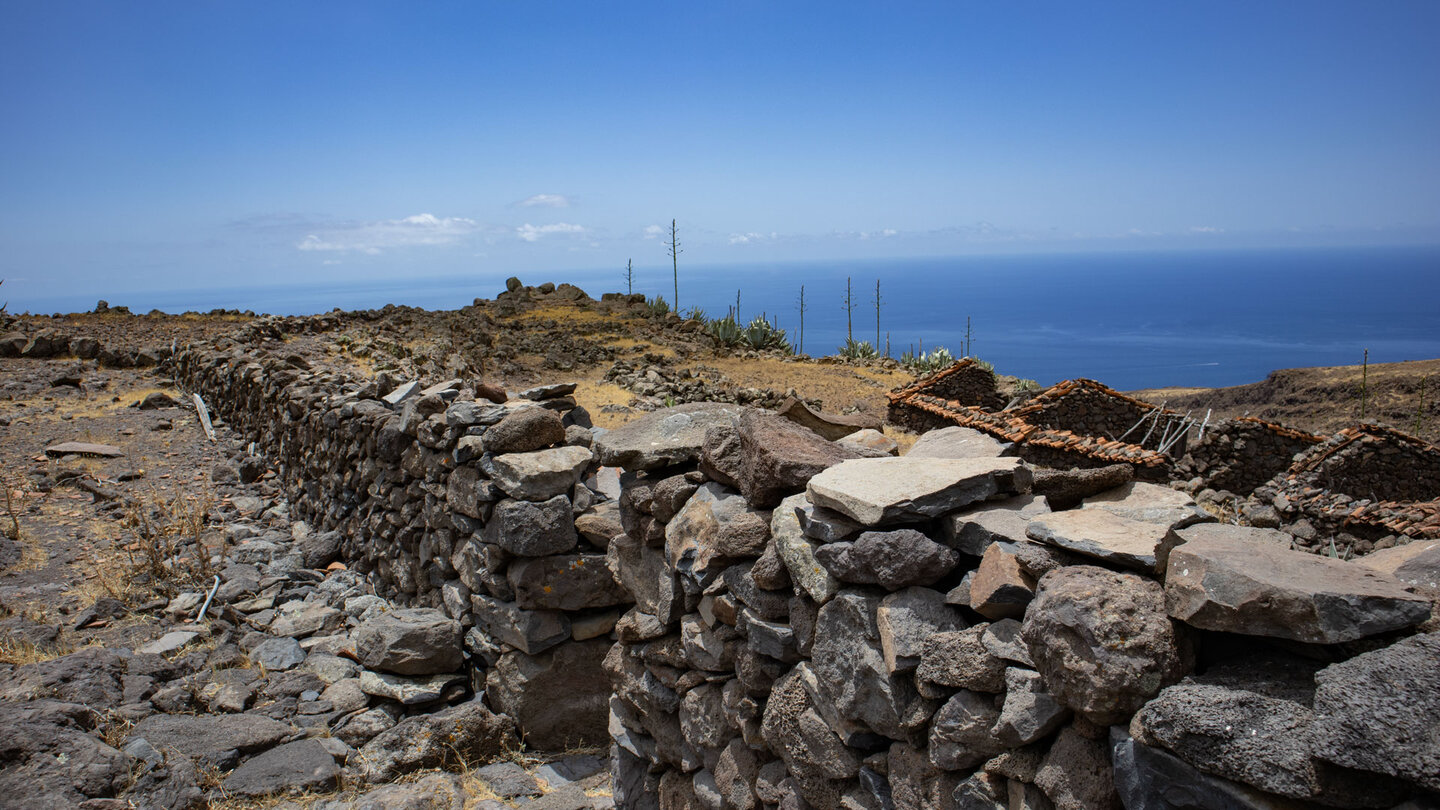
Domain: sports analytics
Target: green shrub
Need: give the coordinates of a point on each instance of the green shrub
(658, 306)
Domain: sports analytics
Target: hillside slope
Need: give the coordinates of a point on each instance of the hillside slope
(1325, 399)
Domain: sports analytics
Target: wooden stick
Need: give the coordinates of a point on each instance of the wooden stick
(204, 417)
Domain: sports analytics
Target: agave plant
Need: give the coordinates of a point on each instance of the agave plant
(658, 305)
(760, 335)
(861, 350)
(927, 362)
(725, 331)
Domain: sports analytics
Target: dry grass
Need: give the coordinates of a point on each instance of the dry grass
(19, 652)
(17, 493)
(104, 403)
(838, 387)
(595, 396)
(170, 542)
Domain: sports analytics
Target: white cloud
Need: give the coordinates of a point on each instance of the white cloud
(653, 231)
(373, 237)
(747, 238)
(533, 233)
(1205, 229)
(545, 201)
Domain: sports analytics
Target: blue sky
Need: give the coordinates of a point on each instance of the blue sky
(212, 144)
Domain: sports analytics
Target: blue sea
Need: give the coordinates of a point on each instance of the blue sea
(1131, 320)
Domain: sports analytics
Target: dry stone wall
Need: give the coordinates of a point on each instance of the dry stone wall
(1238, 455)
(813, 626)
(924, 632)
(490, 512)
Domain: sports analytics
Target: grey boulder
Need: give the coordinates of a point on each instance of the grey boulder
(893, 560)
(469, 732)
(1223, 583)
(1103, 642)
(415, 641)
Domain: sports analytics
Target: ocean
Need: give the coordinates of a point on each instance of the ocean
(1130, 320)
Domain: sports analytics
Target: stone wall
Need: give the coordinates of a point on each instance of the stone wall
(920, 632)
(490, 512)
(1089, 408)
(1238, 455)
(965, 383)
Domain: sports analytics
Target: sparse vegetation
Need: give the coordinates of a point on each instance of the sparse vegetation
(674, 247)
(927, 362)
(658, 306)
(169, 542)
(858, 351)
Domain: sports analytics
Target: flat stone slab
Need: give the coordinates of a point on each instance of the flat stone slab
(1223, 583)
(168, 643)
(973, 530)
(832, 426)
(664, 438)
(293, 767)
(211, 739)
(1103, 535)
(403, 392)
(1416, 564)
(956, 442)
(541, 474)
(408, 691)
(1151, 503)
(875, 491)
(84, 449)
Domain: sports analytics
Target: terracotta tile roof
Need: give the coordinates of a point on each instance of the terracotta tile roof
(1065, 388)
(1282, 430)
(1361, 432)
(921, 384)
(1011, 428)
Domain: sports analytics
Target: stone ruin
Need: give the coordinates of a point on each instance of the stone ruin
(1372, 485)
(751, 615)
(925, 632)
(1074, 423)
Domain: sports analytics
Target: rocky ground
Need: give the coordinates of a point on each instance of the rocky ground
(298, 687)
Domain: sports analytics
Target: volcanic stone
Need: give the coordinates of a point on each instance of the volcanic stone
(1220, 583)
(1102, 641)
(874, 491)
(893, 560)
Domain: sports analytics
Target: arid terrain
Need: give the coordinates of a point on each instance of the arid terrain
(1325, 399)
(93, 552)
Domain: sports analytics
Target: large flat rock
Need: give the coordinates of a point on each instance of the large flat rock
(1103, 535)
(663, 438)
(1151, 503)
(211, 739)
(956, 442)
(1415, 564)
(1224, 583)
(875, 491)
